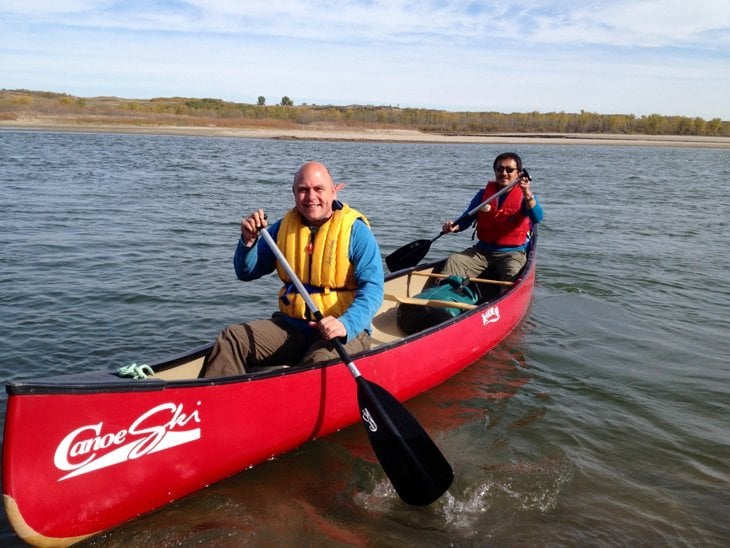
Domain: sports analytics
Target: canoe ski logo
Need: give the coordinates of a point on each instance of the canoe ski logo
(490, 315)
(368, 418)
(93, 447)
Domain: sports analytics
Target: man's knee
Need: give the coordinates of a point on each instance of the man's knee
(326, 351)
(361, 343)
(225, 358)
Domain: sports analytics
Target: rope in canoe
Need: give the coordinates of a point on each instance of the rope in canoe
(135, 371)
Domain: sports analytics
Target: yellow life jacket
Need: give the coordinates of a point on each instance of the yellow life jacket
(320, 258)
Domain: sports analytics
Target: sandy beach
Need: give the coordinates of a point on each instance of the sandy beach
(367, 134)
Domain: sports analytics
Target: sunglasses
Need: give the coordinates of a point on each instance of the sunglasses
(506, 169)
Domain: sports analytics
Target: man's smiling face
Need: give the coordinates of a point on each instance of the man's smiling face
(314, 192)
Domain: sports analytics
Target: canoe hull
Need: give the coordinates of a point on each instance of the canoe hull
(84, 453)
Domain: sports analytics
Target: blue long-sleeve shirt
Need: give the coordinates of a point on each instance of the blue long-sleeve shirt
(534, 213)
(256, 261)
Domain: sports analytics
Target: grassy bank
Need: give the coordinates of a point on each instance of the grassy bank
(63, 109)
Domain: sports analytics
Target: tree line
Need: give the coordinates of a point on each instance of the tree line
(191, 111)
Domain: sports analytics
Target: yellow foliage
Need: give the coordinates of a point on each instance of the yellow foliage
(183, 111)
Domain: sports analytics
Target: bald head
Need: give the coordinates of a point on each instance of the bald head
(314, 171)
(314, 191)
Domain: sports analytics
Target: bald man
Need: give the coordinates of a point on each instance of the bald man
(332, 250)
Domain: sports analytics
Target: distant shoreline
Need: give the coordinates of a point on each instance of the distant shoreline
(367, 134)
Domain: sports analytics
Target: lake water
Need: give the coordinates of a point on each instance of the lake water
(603, 419)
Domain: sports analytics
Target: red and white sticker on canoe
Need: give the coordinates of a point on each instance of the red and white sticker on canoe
(490, 315)
(92, 447)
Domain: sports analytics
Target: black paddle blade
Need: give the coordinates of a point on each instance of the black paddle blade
(410, 458)
(407, 256)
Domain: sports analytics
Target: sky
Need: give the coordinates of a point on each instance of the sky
(610, 57)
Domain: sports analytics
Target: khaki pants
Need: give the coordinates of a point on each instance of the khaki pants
(475, 263)
(263, 343)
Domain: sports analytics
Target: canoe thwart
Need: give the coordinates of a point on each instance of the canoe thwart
(476, 280)
(430, 302)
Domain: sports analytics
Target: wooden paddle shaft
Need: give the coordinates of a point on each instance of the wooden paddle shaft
(477, 280)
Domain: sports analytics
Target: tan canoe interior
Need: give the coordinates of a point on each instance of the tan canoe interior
(385, 328)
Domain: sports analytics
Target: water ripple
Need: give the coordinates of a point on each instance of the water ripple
(601, 420)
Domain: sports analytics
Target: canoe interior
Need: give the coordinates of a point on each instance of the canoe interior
(385, 327)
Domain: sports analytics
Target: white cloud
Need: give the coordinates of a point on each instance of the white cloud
(627, 56)
(624, 23)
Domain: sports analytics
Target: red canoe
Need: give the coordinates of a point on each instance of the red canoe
(84, 453)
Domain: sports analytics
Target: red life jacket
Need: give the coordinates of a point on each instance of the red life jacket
(504, 226)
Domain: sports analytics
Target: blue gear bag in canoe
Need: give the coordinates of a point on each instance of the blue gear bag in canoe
(412, 318)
